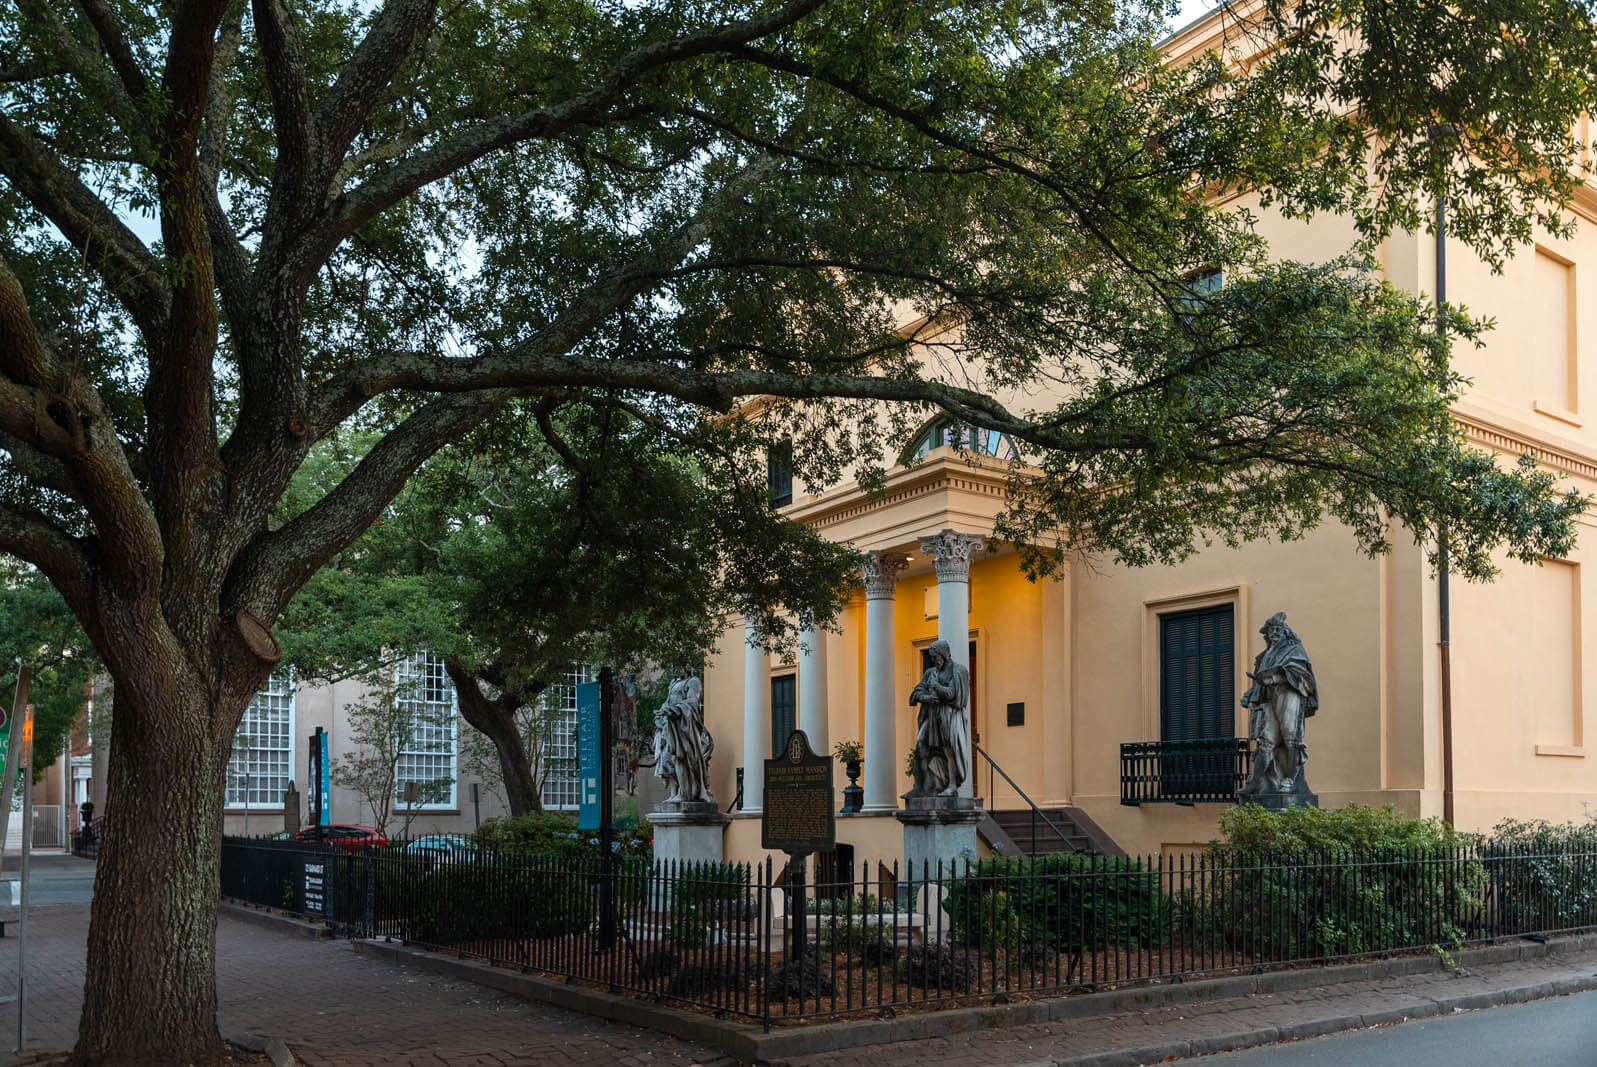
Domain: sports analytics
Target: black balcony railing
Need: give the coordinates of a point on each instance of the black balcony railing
(1209, 771)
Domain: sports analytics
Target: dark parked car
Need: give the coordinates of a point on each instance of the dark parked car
(348, 836)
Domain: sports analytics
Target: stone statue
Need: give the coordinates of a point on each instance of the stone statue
(942, 735)
(1282, 696)
(682, 745)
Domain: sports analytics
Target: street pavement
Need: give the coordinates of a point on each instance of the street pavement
(336, 1007)
(1558, 1032)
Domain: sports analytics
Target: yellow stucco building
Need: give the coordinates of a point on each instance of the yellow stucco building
(1067, 671)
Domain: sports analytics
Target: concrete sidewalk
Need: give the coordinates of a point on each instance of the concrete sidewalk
(333, 1004)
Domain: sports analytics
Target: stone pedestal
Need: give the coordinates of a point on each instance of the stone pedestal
(685, 832)
(937, 829)
(688, 831)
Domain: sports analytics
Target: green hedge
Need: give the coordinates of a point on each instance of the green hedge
(490, 900)
(1066, 901)
(553, 834)
(1540, 876)
(1306, 882)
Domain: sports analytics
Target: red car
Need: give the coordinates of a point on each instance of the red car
(348, 836)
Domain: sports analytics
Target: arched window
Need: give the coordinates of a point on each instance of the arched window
(946, 431)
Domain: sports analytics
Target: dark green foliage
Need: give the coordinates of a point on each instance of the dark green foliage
(1540, 876)
(1307, 882)
(556, 834)
(938, 967)
(502, 900)
(803, 978)
(1067, 900)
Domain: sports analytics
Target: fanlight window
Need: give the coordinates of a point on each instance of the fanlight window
(947, 431)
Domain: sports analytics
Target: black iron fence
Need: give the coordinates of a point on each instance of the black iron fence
(733, 939)
(1207, 771)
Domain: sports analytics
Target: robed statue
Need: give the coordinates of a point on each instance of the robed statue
(682, 745)
(942, 734)
(1283, 695)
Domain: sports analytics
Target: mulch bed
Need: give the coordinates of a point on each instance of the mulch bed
(861, 981)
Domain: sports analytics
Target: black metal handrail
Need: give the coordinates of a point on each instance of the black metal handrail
(1205, 771)
(1036, 812)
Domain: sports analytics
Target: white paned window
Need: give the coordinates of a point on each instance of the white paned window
(559, 717)
(422, 687)
(263, 747)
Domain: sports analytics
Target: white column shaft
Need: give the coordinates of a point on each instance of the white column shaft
(882, 758)
(756, 719)
(812, 690)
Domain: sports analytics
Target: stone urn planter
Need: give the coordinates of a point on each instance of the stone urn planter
(851, 755)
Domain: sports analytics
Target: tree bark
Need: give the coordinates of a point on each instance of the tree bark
(496, 719)
(155, 889)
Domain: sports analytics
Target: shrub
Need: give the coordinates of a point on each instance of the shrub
(496, 899)
(543, 833)
(938, 967)
(799, 978)
(1540, 876)
(1306, 882)
(1066, 900)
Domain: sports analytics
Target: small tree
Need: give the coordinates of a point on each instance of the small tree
(385, 725)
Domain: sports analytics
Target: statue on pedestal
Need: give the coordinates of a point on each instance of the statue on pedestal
(942, 736)
(682, 745)
(1283, 695)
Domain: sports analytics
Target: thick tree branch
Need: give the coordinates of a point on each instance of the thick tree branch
(297, 135)
(218, 101)
(45, 471)
(232, 261)
(115, 43)
(185, 472)
(108, 247)
(31, 536)
(360, 84)
(269, 573)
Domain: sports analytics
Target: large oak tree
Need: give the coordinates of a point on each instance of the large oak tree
(403, 216)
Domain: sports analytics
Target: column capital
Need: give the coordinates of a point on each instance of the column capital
(881, 571)
(951, 553)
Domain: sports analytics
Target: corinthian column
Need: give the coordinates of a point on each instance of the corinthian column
(756, 718)
(812, 688)
(950, 554)
(882, 758)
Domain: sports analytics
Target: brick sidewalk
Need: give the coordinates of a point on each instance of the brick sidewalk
(334, 1007)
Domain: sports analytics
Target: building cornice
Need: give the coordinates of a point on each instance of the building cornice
(951, 473)
(1482, 429)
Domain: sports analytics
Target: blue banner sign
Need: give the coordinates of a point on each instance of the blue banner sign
(590, 760)
(325, 815)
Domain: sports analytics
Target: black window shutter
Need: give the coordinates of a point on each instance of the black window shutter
(1196, 674)
(784, 711)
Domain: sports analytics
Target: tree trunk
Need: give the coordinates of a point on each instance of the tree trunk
(155, 890)
(496, 719)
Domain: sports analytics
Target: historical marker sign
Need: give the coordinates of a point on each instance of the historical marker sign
(799, 799)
